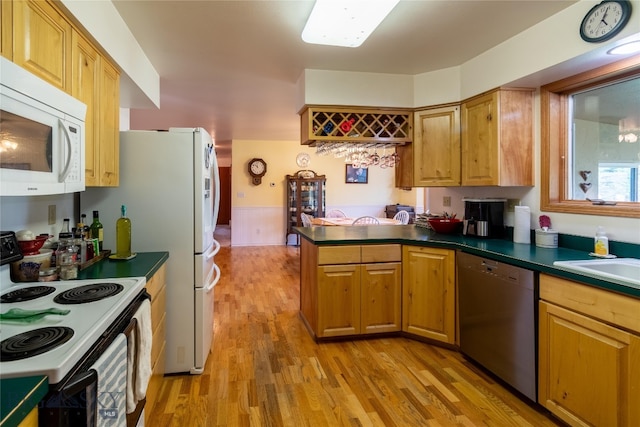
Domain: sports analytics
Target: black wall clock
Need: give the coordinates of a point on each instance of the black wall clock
(605, 20)
(257, 169)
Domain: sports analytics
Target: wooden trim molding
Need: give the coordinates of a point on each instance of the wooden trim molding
(554, 136)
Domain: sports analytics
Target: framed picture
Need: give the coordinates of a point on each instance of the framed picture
(356, 175)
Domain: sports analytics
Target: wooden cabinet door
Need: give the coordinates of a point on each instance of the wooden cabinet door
(42, 41)
(589, 372)
(428, 293)
(497, 139)
(85, 78)
(6, 29)
(436, 147)
(480, 140)
(338, 300)
(109, 143)
(380, 303)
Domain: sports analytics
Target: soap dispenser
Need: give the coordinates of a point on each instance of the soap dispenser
(601, 241)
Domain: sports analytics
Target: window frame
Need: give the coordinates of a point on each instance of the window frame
(554, 134)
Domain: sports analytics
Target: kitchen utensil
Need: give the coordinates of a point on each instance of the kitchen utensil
(32, 247)
(445, 226)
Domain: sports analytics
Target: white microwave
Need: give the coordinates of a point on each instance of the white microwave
(42, 136)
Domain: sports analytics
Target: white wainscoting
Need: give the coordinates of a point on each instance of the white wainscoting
(257, 226)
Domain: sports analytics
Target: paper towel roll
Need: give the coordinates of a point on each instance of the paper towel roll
(522, 225)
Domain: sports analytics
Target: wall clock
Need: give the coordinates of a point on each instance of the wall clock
(605, 20)
(303, 160)
(257, 169)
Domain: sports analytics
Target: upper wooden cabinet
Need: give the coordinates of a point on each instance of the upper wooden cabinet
(42, 41)
(436, 147)
(6, 29)
(37, 36)
(357, 125)
(497, 139)
(96, 83)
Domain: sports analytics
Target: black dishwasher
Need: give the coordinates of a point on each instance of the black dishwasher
(497, 317)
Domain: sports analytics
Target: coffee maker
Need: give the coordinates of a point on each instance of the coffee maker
(484, 218)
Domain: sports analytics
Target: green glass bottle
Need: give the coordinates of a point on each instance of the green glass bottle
(97, 232)
(123, 234)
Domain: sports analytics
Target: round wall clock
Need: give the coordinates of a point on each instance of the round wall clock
(257, 169)
(303, 160)
(605, 20)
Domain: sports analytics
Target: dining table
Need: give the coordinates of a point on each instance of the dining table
(349, 221)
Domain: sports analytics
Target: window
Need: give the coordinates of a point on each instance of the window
(589, 141)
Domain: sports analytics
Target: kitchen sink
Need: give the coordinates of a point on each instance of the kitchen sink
(625, 271)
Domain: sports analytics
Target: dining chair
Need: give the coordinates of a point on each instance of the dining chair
(306, 219)
(336, 213)
(402, 216)
(365, 220)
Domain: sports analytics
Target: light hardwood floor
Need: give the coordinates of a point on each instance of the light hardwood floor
(266, 370)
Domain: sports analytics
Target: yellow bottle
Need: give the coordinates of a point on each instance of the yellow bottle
(123, 234)
(601, 243)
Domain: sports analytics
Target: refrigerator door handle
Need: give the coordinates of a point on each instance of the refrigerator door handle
(216, 272)
(215, 250)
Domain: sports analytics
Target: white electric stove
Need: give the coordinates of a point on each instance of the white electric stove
(87, 321)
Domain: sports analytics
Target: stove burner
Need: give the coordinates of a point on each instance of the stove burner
(88, 293)
(34, 342)
(26, 294)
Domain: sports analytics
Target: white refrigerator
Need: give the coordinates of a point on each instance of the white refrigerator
(170, 184)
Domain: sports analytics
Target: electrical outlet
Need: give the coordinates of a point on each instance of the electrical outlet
(511, 204)
(52, 214)
(446, 201)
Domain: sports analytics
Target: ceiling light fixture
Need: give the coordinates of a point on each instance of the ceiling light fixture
(345, 23)
(625, 49)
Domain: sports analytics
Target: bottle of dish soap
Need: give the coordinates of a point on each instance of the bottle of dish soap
(601, 241)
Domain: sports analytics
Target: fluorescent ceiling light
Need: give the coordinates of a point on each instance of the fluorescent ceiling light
(345, 23)
(623, 49)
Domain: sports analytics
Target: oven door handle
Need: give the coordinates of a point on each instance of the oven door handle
(79, 382)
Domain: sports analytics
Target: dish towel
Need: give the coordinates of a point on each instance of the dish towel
(139, 356)
(111, 368)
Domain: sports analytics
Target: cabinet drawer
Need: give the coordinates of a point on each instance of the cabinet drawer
(381, 253)
(338, 255)
(610, 307)
(158, 309)
(157, 282)
(158, 339)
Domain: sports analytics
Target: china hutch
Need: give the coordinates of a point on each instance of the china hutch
(305, 194)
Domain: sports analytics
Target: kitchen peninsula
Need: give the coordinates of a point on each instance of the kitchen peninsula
(359, 281)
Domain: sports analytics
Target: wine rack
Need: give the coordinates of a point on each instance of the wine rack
(355, 125)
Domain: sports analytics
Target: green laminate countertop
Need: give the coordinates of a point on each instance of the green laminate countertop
(522, 255)
(19, 397)
(144, 264)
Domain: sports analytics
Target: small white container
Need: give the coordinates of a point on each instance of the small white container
(546, 239)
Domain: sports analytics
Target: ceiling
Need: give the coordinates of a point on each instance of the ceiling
(232, 66)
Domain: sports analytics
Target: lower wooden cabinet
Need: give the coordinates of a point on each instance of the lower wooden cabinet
(156, 287)
(428, 293)
(351, 290)
(589, 354)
